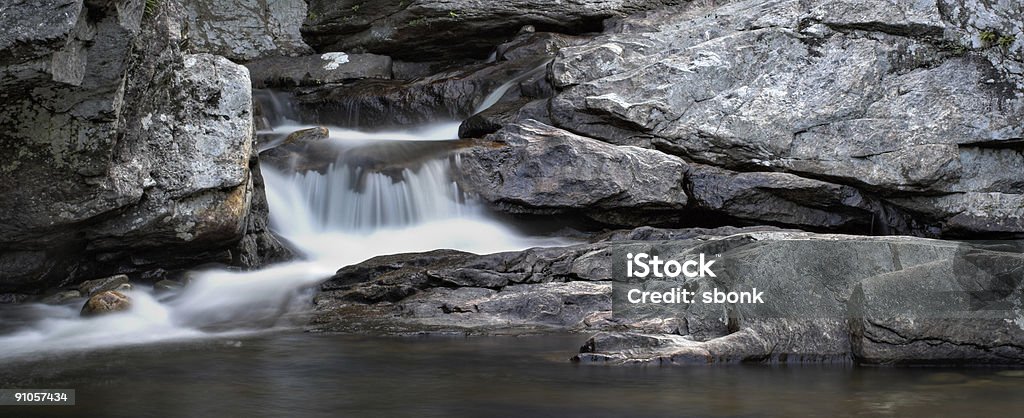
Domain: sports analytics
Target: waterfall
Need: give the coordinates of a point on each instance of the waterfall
(386, 192)
(496, 95)
(347, 198)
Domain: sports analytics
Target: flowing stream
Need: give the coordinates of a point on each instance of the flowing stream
(337, 215)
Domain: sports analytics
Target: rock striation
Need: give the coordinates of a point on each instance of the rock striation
(827, 299)
(130, 155)
(854, 116)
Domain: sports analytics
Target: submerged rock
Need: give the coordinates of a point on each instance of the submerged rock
(168, 286)
(61, 297)
(92, 287)
(107, 302)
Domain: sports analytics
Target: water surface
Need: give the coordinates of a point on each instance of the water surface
(291, 374)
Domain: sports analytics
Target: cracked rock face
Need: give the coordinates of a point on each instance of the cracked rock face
(130, 154)
(898, 101)
(445, 29)
(827, 298)
(244, 30)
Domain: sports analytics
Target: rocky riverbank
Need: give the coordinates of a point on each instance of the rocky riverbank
(883, 130)
(828, 298)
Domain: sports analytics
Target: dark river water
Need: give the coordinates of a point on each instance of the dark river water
(294, 374)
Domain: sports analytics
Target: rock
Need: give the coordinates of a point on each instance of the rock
(61, 297)
(307, 136)
(787, 199)
(504, 113)
(92, 287)
(297, 147)
(329, 68)
(446, 96)
(246, 29)
(826, 299)
(106, 303)
(530, 44)
(888, 300)
(432, 30)
(306, 150)
(966, 296)
(168, 286)
(852, 93)
(450, 291)
(534, 168)
(152, 164)
(647, 233)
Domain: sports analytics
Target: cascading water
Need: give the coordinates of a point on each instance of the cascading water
(340, 215)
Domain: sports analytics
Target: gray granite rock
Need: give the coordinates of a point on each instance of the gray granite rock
(245, 30)
(131, 154)
(534, 168)
(443, 29)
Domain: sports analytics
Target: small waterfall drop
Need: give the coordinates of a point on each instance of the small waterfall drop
(385, 193)
(496, 95)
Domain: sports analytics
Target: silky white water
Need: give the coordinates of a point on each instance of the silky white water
(338, 217)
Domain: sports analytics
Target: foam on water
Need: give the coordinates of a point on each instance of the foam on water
(339, 217)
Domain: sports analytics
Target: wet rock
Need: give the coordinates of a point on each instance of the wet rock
(246, 29)
(432, 30)
(307, 136)
(535, 168)
(451, 291)
(168, 286)
(852, 93)
(530, 43)
(501, 114)
(105, 303)
(61, 297)
(92, 287)
(298, 147)
(446, 96)
(329, 68)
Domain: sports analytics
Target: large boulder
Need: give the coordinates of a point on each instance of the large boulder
(245, 30)
(917, 105)
(126, 154)
(428, 30)
(535, 168)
